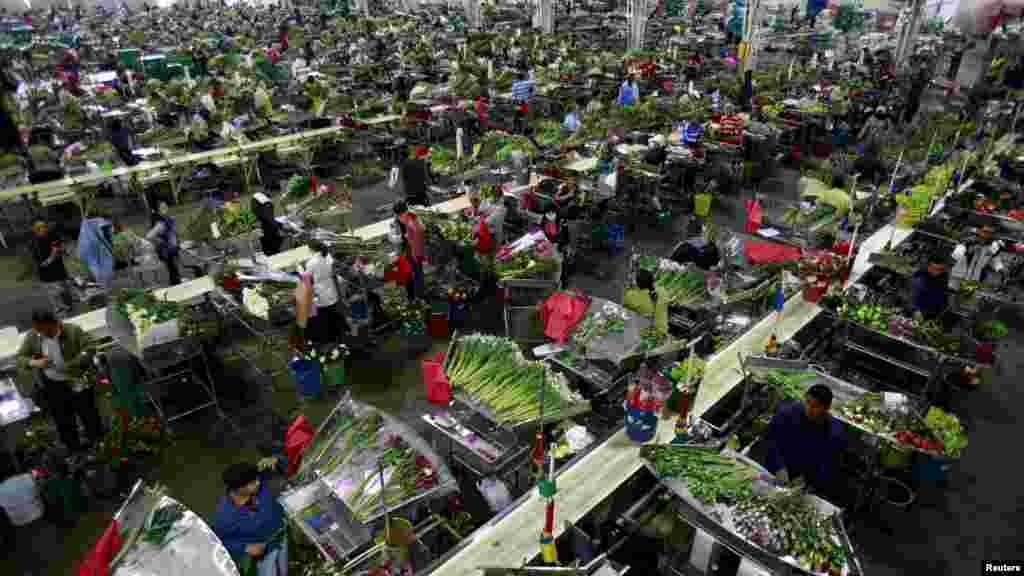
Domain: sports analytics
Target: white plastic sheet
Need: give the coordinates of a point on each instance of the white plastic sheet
(195, 551)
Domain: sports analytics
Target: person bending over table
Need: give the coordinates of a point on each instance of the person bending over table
(928, 288)
(647, 301)
(805, 442)
(251, 522)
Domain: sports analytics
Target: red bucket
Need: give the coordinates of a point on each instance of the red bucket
(438, 326)
(814, 292)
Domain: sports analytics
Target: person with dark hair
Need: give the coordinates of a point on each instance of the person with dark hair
(163, 234)
(121, 140)
(250, 521)
(804, 441)
(412, 234)
(57, 353)
(329, 321)
(522, 90)
(928, 287)
(646, 300)
(48, 254)
(415, 177)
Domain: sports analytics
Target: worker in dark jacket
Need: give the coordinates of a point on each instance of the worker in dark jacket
(415, 178)
(250, 520)
(804, 441)
(48, 254)
(121, 140)
(928, 288)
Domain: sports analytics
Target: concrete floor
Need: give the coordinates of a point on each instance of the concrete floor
(950, 532)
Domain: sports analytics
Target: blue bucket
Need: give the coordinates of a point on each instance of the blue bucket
(616, 238)
(360, 311)
(456, 311)
(930, 468)
(307, 376)
(641, 424)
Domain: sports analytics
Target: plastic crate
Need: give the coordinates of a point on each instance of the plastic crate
(129, 58)
(154, 66)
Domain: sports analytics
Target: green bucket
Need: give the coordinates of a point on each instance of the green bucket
(470, 264)
(334, 376)
(702, 205)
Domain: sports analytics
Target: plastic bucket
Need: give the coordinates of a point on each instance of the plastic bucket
(930, 468)
(334, 376)
(641, 425)
(456, 312)
(702, 205)
(438, 327)
(19, 498)
(616, 238)
(307, 374)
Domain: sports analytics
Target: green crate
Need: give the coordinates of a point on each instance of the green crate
(130, 58)
(22, 35)
(154, 66)
(174, 71)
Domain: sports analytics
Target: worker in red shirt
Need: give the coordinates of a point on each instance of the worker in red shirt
(412, 231)
(483, 109)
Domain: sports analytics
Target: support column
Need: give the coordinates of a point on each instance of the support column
(909, 36)
(637, 16)
(544, 16)
(472, 10)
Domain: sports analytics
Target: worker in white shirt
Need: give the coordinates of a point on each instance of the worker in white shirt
(328, 323)
(978, 261)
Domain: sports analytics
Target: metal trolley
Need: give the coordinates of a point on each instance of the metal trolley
(521, 307)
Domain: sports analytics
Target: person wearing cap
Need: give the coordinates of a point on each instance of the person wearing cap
(250, 521)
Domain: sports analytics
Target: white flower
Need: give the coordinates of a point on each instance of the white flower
(334, 355)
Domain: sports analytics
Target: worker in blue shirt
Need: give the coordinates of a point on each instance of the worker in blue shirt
(575, 116)
(804, 442)
(629, 93)
(928, 288)
(250, 521)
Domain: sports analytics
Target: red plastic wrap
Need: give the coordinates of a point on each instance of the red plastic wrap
(768, 252)
(561, 312)
(439, 390)
(754, 216)
(97, 560)
(299, 435)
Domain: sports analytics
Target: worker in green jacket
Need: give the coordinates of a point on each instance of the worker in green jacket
(647, 301)
(57, 353)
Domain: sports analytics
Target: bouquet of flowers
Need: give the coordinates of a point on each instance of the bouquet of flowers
(818, 271)
(337, 354)
(457, 294)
